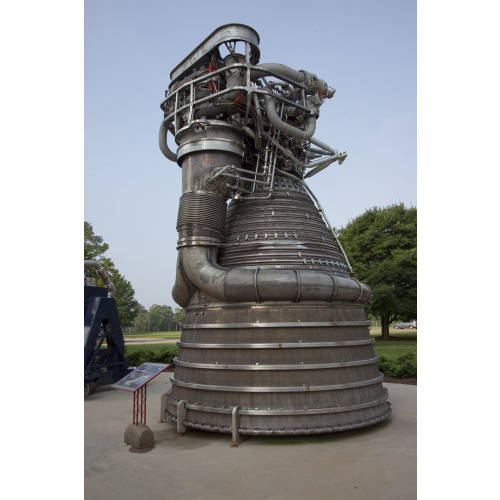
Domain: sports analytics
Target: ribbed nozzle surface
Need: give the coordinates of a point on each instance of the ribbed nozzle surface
(284, 231)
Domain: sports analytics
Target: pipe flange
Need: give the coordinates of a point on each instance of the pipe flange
(225, 145)
(218, 137)
(197, 241)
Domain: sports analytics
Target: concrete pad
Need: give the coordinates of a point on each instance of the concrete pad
(379, 462)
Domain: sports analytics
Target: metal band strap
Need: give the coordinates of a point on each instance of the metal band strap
(257, 367)
(303, 388)
(305, 411)
(197, 241)
(287, 324)
(360, 289)
(334, 288)
(297, 299)
(257, 298)
(276, 345)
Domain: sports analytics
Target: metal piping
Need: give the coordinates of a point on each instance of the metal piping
(162, 141)
(103, 275)
(310, 80)
(199, 265)
(312, 83)
(289, 129)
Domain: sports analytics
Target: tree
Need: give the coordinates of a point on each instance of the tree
(93, 246)
(382, 248)
(156, 319)
(160, 318)
(127, 305)
(179, 314)
(141, 320)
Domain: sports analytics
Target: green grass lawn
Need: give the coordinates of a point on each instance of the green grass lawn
(398, 357)
(403, 342)
(397, 334)
(394, 349)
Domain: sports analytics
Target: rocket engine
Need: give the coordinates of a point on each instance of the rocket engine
(275, 338)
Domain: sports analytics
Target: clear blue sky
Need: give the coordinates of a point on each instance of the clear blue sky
(365, 49)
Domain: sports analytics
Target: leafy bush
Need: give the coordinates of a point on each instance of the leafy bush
(137, 358)
(404, 366)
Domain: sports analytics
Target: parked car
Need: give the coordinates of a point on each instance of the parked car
(405, 324)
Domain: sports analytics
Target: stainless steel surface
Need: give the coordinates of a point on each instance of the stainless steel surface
(275, 389)
(226, 33)
(162, 142)
(298, 324)
(95, 264)
(281, 345)
(275, 325)
(219, 137)
(308, 411)
(316, 366)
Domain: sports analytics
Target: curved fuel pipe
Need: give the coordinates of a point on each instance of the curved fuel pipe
(201, 223)
(103, 275)
(199, 265)
(310, 80)
(287, 129)
(162, 141)
(183, 290)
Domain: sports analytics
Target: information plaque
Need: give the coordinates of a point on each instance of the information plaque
(140, 377)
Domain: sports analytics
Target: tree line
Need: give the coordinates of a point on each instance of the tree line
(158, 319)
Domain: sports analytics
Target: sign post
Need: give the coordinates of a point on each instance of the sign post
(138, 434)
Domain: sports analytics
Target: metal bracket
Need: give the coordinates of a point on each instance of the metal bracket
(235, 425)
(163, 406)
(181, 416)
(226, 33)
